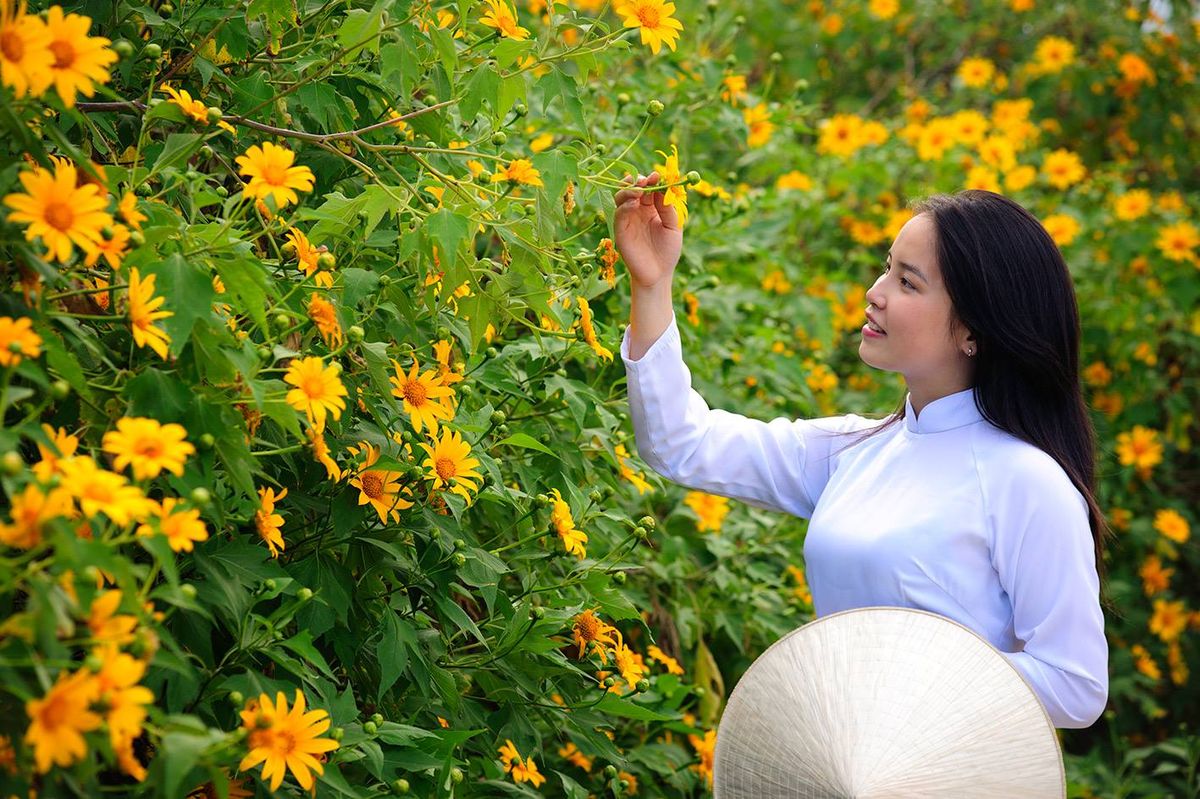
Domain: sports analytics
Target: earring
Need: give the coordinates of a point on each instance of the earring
(970, 351)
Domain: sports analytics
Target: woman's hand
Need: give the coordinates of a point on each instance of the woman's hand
(647, 234)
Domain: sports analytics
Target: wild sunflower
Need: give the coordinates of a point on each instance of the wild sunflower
(60, 718)
(285, 740)
(267, 521)
(147, 445)
(589, 629)
(501, 16)
(25, 56)
(573, 538)
(307, 256)
(128, 210)
(124, 701)
(183, 527)
(380, 487)
(710, 510)
(271, 173)
(630, 664)
(1063, 168)
(58, 210)
(450, 464)
(112, 249)
(318, 390)
(17, 340)
(143, 313)
(80, 61)
(97, 490)
(668, 172)
(321, 451)
(62, 445)
(190, 106)
(31, 512)
(653, 18)
(423, 395)
(669, 663)
(1176, 242)
(322, 314)
(520, 170)
(105, 624)
(589, 332)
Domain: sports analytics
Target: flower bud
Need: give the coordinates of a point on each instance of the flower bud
(370, 728)
(655, 107)
(214, 114)
(152, 51)
(326, 261)
(355, 334)
(499, 138)
(304, 594)
(200, 496)
(236, 699)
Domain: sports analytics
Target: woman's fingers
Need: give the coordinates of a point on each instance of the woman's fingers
(624, 195)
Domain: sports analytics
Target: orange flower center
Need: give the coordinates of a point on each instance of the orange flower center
(149, 449)
(275, 174)
(12, 46)
(285, 742)
(372, 486)
(587, 626)
(415, 393)
(446, 468)
(64, 54)
(314, 386)
(649, 17)
(59, 215)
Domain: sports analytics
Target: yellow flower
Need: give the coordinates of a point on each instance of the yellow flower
(759, 124)
(380, 487)
(705, 748)
(193, 108)
(709, 508)
(832, 24)
(25, 55)
(883, 9)
(450, 464)
(623, 460)
(1171, 524)
(998, 151)
(80, 61)
(322, 314)
(1169, 619)
(669, 663)
(519, 171)
(1134, 69)
(560, 516)
(308, 256)
(654, 19)
(31, 511)
(271, 174)
(127, 208)
(148, 446)
(321, 451)
(794, 180)
(896, 220)
(123, 700)
(733, 88)
(267, 521)
(1144, 663)
(112, 249)
(589, 332)
(630, 664)
(589, 629)
(60, 718)
(572, 755)
(57, 210)
(841, 135)
(97, 490)
(976, 72)
(541, 142)
(1063, 168)
(285, 740)
(501, 16)
(865, 232)
(1020, 178)
(1097, 374)
(182, 527)
(1179, 667)
(527, 771)
(143, 313)
(17, 340)
(1053, 53)
(105, 624)
(1131, 205)
(1063, 228)
(318, 390)
(1155, 579)
(508, 753)
(1139, 448)
(935, 138)
(669, 172)
(1177, 241)
(426, 400)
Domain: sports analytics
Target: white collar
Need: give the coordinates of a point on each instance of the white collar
(944, 413)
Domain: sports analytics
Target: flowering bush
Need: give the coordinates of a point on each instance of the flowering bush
(317, 466)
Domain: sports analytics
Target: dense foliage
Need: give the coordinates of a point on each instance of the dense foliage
(316, 457)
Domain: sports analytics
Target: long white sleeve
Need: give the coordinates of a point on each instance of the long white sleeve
(1044, 556)
(780, 465)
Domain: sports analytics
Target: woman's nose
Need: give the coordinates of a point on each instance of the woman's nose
(875, 295)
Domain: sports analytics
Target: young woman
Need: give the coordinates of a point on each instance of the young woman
(975, 500)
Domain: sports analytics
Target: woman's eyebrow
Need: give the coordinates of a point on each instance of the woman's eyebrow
(911, 268)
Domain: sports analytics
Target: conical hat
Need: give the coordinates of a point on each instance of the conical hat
(885, 702)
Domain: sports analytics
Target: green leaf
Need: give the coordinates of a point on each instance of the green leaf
(445, 48)
(614, 705)
(397, 638)
(160, 395)
(189, 293)
(449, 230)
(483, 84)
(177, 149)
(185, 737)
(557, 85)
(360, 31)
(528, 442)
(302, 644)
(248, 282)
(279, 14)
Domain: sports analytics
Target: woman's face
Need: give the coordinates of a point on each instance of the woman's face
(910, 305)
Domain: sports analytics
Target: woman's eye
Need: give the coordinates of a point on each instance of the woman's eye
(904, 282)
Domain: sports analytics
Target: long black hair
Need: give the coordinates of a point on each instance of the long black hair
(1010, 287)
